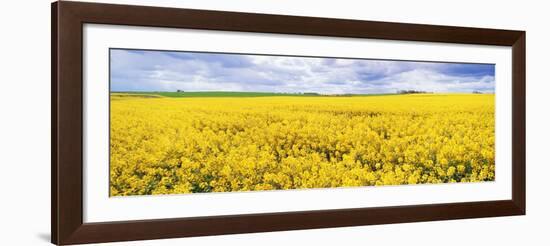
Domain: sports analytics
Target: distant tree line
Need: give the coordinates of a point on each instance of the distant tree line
(411, 92)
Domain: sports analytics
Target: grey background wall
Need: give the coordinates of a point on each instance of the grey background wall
(25, 121)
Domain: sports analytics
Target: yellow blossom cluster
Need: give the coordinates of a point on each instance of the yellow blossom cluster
(219, 144)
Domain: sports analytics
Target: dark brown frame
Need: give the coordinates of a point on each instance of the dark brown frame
(66, 219)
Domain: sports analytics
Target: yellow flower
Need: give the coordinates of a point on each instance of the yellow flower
(451, 171)
(186, 145)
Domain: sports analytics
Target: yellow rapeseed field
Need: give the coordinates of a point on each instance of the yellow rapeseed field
(218, 144)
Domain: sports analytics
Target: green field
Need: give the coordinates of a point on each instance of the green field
(225, 94)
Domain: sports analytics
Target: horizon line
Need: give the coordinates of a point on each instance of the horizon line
(311, 92)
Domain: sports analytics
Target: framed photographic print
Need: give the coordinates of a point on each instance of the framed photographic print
(176, 122)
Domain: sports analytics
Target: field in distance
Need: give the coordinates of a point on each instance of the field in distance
(193, 142)
(226, 94)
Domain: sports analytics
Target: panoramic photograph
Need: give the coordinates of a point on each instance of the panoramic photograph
(199, 122)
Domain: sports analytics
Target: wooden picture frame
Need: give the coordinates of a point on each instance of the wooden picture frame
(67, 122)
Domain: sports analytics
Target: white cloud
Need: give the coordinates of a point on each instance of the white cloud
(169, 71)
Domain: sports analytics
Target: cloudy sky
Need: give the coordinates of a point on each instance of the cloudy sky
(138, 70)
